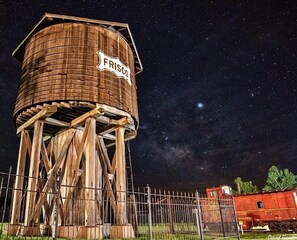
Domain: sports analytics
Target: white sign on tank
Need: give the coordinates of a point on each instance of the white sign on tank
(113, 65)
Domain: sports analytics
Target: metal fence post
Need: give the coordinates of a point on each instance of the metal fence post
(23, 204)
(5, 200)
(59, 180)
(199, 217)
(1, 185)
(235, 217)
(150, 212)
(222, 219)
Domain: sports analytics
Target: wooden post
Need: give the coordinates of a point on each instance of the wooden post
(121, 217)
(17, 198)
(33, 171)
(90, 174)
(66, 190)
(122, 229)
(98, 194)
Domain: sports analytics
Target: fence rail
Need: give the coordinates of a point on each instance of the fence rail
(150, 214)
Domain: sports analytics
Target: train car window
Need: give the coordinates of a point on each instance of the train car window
(214, 193)
(260, 204)
(226, 190)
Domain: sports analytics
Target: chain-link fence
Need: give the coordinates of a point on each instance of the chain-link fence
(64, 211)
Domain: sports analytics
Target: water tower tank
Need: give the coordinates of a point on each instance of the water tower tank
(75, 63)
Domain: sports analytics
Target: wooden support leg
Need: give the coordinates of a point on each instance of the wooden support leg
(66, 184)
(78, 143)
(98, 194)
(33, 171)
(17, 199)
(107, 183)
(90, 174)
(122, 229)
(121, 216)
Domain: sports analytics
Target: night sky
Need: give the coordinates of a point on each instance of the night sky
(217, 98)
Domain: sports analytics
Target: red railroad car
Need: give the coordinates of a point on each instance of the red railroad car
(276, 209)
(217, 210)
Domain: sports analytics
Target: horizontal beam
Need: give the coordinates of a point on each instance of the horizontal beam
(56, 122)
(128, 136)
(113, 110)
(97, 111)
(103, 119)
(109, 136)
(44, 113)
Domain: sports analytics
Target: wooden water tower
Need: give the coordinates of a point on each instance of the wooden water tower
(76, 98)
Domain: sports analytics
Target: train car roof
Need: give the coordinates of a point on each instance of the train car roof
(269, 192)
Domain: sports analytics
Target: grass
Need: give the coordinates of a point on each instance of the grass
(158, 235)
(248, 236)
(267, 235)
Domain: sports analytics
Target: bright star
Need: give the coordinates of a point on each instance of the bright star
(200, 105)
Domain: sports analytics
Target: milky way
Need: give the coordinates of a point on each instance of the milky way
(217, 97)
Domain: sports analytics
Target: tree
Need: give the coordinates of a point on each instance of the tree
(279, 179)
(245, 187)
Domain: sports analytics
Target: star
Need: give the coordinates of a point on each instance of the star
(200, 105)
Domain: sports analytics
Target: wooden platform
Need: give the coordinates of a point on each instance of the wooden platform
(59, 116)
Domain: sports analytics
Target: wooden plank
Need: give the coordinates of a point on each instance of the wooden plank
(113, 164)
(45, 207)
(65, 104)
(46, 137)
(106, 163)
(67, 178)
(80, 120)
(99, 190)
(17, 198)
(51, 176)
(113, 110)
(83, 104)
(26, 113)
(121, 217)
(102, 149)
(28, 142)
(125, 121)
(56, 122)
(44, 113)
(77, 174)
(86, 20)
(32, 113)
(90, 174)
(79, 146)
(49, 147)
(109, 136)
(128, 136)
(45, 158)
(109, 191)
(33, 171)
(103, 119)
